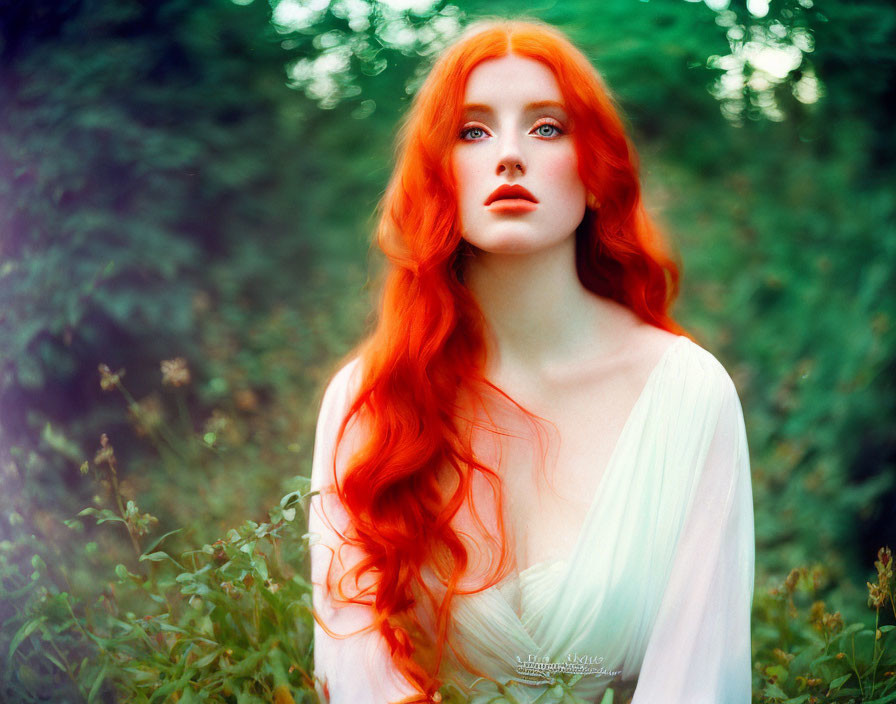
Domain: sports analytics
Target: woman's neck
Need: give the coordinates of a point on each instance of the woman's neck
(541, 320)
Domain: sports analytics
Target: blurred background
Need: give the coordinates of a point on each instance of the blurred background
(187, 193)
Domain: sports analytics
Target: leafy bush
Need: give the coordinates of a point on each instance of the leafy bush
(229, 621)
(807, 654)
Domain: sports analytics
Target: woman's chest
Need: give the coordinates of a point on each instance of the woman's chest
(550, 471)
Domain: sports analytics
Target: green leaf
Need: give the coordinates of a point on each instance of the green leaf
(291, 498)
(773, 690)
(207, 660)
(169, 627)
(818, 661)
(886, 699)
(160, 556)
(852, 628)
(249, 664)
(103, 515)
(778, 671)
(26, 630)
(839, 682)
(53, 659)
(97, 683)
(158, 541)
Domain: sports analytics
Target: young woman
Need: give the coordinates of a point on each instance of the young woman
(528, 471)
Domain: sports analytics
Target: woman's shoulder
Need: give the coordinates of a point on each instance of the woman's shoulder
(704, 375)
(685, 353)
(343, 384)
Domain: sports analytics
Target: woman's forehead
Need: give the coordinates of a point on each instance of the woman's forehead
(512, 81)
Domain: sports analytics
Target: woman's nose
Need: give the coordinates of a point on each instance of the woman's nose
(511, 161)
(511, 158)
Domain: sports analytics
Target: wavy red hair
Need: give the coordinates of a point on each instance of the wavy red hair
(428, 350)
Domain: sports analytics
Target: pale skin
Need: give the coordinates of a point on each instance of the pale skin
(567, 354)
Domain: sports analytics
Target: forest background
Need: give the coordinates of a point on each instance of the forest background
(187, 193)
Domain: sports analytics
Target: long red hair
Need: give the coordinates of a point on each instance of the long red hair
(428, 347)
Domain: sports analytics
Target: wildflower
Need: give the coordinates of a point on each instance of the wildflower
(108, 380)
(876, 596)
(175, 372)
(832, 622)
(817, 578)
(884, 565)
(781, 656)
(793, 579)
(106, 453)
(822, 621)
(816, 611)
(140, 523)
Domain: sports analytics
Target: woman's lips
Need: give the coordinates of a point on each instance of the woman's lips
(512, 205)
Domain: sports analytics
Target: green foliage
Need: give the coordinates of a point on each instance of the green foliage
(228, 621)
(560, 693)
(806, 654)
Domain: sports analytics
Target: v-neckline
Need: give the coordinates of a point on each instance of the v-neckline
(602, 482)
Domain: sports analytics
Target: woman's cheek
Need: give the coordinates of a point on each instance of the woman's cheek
(563, 168)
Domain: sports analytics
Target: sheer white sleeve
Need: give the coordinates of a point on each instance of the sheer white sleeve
(699, 649)
(356, 669)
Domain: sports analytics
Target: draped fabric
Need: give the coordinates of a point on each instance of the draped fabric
(656, 592)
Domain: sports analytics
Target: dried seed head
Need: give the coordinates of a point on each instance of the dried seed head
(175, 372)
(108, 380)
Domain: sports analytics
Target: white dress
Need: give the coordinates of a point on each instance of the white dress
(658, 588)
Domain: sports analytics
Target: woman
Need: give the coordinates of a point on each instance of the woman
(528, 471)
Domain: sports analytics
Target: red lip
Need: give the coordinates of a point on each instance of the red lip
(507, 191)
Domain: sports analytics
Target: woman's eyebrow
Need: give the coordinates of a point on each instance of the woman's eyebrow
(530, 107)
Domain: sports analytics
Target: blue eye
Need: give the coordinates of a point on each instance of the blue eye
(556, 129)
(467, 131)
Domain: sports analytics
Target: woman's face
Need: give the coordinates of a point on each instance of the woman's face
(514, 133)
